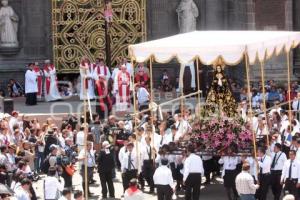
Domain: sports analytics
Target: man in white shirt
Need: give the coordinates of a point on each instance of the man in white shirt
(52, 186)
(66, 194)
(278, 160)
(192, 172)
(90, 155)
(264, 177)
(142, 97)
(163, 181)
(296, 106)
(291, 174)
(23, 192)
(129, 165)
(245, 183)
(229, 173)
(80, 138)
(13, 120)
(147, 164)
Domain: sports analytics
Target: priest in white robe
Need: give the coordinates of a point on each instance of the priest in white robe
(101, 76)
(31, 87)
(86, 79)
(50, 84)
(122, 89)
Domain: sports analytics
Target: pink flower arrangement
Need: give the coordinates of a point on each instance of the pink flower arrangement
(218, 133)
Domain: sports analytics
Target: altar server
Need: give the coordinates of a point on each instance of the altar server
(291, 174)
(39, 73)
(278, 160)
(101, 76)
(230, 171)
(122, 89)
(192, 172)
(86, 77)
(51, 90)
(264, 176)
(31, 87)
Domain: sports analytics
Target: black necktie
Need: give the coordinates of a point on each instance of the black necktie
(129, 162)
(274, 162)
(261, 169)
(149, 153)
(290, 170)
(161, 141)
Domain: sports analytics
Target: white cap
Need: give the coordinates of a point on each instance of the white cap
(105, 144)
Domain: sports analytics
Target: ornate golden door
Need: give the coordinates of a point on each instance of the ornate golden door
(79, 29)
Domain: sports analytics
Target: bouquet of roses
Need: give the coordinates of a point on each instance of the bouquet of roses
(220, 132)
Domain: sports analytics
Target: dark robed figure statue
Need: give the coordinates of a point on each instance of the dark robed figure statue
(220, 99)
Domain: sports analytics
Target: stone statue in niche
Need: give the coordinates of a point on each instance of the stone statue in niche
(8, 26)
(187, 16)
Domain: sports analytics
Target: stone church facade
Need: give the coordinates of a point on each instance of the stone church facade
(35, 35)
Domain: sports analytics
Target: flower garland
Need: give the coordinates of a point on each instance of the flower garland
(218, 133)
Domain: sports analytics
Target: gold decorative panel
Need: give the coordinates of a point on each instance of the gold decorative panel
(79, 29)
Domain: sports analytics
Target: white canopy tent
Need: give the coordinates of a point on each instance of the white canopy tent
(209, 45)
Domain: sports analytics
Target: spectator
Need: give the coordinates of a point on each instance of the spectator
(66, 194)
(52, 186)
(272, 96)
(23, 192)
(78, 195)
(14, 88)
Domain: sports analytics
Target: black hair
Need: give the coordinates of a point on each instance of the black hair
(191, 148)
(3, 148)
(52, 171)
(25, 181)
(78, 194)
(278, 145)
(66, 191)
(164, 162)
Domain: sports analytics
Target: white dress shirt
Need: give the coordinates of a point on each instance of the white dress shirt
(229, 163)
(279, 160)
(51, 187)
(22, 194)
(295, 173)
(121, 155)
(146, 152)
(80, 138)
(142, 95)
(163, 176)
(133, 162)
(90, 157)
(31, 82)
(192, 164)
(245, 184)
(264, 164)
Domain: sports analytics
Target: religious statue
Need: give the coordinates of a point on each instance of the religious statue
(8, 26)
(220, 98)
(187, 16)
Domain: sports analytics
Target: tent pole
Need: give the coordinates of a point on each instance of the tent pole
(198, 85)
(133, 92)
(250, 113)
(151, 103)
(262, 70)
(85, 91)
(289, 84)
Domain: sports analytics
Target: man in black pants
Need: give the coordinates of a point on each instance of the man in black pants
(106, 165)
(129, 165)
(148, 165)
(290, 174)
(193, 169)
(163, 181)
(278, 160)
(264, 176)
